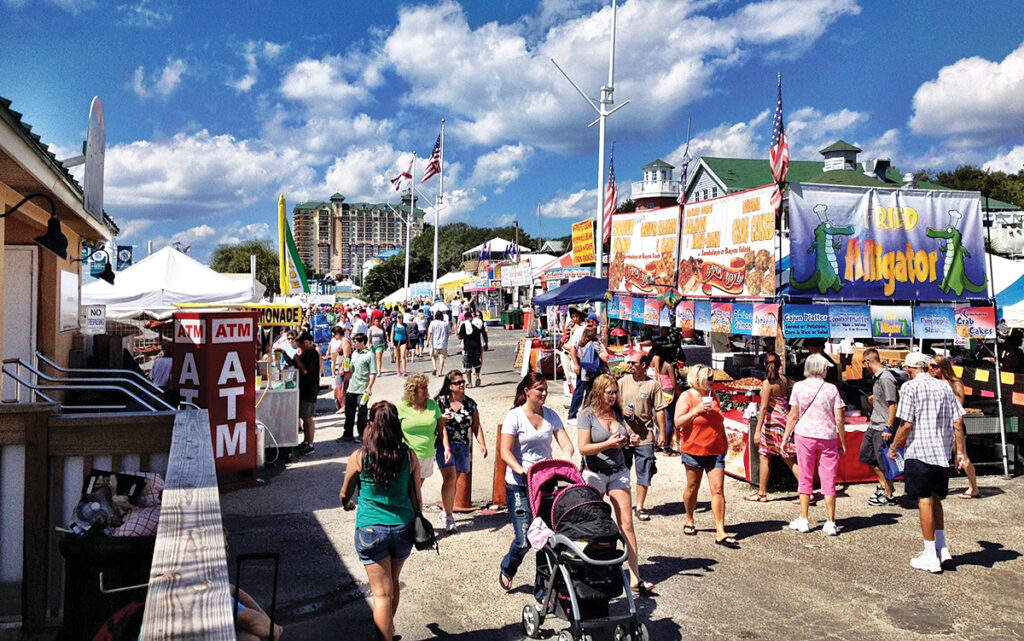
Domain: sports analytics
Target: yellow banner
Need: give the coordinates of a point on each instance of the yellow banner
(287, 315)
(583, 242)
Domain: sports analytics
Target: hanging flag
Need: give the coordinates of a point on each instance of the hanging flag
(290, 269)
(484, 253)
(434, 162)
(778, 154)
(611, 197)
(682, 176)
(405, 175)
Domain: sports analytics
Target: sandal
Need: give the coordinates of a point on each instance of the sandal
(967, 495)
(644, 588)
(505, 581)
(728, 542)
(756, 498)
(689, 529)
(642, 514)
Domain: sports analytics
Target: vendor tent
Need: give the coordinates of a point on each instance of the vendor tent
(582, 290)
(155, 284)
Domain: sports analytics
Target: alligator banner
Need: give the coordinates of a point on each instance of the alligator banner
(871, 244)
(728, 246)
(643, 255)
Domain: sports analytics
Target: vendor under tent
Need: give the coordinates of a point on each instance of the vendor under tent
(156, 284)
(584, 290)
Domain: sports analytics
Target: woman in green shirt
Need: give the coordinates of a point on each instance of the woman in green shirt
(387, 472)
(422, 422)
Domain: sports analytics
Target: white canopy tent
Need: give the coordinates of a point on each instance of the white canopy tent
(155, 284)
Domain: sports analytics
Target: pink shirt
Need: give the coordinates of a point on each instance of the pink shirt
(817, 402)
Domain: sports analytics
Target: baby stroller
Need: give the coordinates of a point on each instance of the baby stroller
(580, 567)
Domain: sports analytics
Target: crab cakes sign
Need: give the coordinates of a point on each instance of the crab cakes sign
(728, 246)
(870, 244)
(643, 256)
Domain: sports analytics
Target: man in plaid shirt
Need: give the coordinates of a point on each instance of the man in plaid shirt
(928, 411)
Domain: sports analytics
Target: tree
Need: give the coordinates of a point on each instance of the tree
(995, 184)
(234, 259)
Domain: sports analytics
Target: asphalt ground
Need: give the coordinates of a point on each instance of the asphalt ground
(780, 585)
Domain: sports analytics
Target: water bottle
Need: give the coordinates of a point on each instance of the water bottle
(365, 398)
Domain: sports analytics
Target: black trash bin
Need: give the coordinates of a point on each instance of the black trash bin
(123, 560)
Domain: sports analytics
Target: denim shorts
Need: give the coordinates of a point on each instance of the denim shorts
(707, 463)
(461, 457)
(642, 456)
(605, 482)
(374, 543)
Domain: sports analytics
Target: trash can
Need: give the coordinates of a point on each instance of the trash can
(506, 319)
(516, 316)
(124, 561)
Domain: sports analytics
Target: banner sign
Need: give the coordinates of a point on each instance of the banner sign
(684, 315)
(639, 307)
(651, 311)
(850, 242)
(976, 322)
(805, 321)
(625, 308)
(284, 315)
(583, 242)
(721, 318)
(728, 246)
(766, 319)
(743, 319)
(643, 254)
(566, 273)
(94, 320)
(702, 315)
(614, 305)
(937, 322)
(321, 327)
(665, 316)
(516, 275)
(891, 321)
(124, 257)
(849, 321)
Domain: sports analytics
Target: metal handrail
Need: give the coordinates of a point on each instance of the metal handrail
(36, 387)
(100, 379)
(70, 370)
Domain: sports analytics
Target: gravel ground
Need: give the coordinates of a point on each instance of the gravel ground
(780, 585)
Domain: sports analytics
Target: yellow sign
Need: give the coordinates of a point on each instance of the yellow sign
(287, 315)
(583, 242)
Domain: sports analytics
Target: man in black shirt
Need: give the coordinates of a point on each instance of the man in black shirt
(309, 365)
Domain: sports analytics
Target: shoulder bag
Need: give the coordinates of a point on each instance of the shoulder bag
(423, 536)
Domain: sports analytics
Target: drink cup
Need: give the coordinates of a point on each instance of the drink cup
(707, 402)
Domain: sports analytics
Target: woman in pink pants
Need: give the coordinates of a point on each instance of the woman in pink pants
(816, 416)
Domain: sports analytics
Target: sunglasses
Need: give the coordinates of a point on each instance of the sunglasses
(933, 365)
(458, 383)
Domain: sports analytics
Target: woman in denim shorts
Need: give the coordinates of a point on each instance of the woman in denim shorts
(387, 472)
(601, 434)
(461, 420)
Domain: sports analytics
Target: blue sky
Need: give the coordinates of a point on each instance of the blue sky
(214, 108)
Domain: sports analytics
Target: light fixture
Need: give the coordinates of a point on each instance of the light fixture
(53, 239)
(108, 272)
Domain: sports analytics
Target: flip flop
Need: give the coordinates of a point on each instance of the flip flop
(756, 498)
(644, 588)
(505, 581)
(968, 495)
(642, 514)
(729, 542)
(689, 530)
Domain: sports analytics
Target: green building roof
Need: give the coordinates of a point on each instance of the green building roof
(840, 145)
(337, 196)
(309, 204)
(659, 164)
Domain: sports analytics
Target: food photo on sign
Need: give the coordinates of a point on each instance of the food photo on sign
(643, 252)
(728, 246)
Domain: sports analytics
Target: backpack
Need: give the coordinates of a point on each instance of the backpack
(589, 360)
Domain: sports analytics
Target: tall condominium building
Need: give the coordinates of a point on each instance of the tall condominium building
(336, 237)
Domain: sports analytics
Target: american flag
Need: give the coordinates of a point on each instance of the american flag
(778, 154)
(434, 162)
(611, 198)
(405, 175)
(682, 176)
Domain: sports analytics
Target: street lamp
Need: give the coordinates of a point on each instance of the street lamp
(53, 240)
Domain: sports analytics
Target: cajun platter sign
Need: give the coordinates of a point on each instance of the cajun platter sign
(643, 256)
(728, 246)
(903, 244)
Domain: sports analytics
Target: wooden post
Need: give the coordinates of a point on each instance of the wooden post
(498, 485)
(34, 585)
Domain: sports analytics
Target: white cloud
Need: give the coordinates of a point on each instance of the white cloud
(161, 85)
(252, 53)
(71, 6)
(501, 166)
(974, 98)
(236, 233)
(133, 228)
(1011, 162)
(885, 146)
(809, 130)
(148, 14)
(323, 135)
(325, 85)
(578, 205)
(739, 140)
(198, 173)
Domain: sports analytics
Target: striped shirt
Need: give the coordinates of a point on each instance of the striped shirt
(930, 405)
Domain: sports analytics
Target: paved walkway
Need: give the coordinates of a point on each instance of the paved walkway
(780, 585)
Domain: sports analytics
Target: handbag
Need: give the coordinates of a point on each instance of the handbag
(893, 469)
(423, 535)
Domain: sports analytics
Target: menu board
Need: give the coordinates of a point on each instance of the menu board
(643, 254)
(728, 246)
(583, 242)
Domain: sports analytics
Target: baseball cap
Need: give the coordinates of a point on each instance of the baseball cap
(916, 359)
(592, 317)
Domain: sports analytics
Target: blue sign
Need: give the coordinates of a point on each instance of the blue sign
(849, 321)
(891, 321)
(321, 329)
(637, 312)
(805, 321)
(934, 322)
(743, 319)
(874, 244)
(614, 305)
(702, 315)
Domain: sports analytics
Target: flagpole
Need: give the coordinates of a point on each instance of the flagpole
(682, 203)
(437, 212)
(408, 221)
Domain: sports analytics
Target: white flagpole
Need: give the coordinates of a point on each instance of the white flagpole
(408, 221)
(437, 212)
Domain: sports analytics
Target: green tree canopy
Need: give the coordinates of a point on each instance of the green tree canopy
(234, 259)
(996, 184)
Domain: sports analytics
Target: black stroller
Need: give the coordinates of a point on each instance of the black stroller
(580, 567)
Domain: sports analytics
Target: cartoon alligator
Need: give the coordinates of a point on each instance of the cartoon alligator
(826, 273)
(954, 273)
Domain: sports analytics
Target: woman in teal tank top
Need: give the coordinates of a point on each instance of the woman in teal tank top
(386, 472)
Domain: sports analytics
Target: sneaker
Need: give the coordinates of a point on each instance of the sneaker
(450, 525)
(882, 500)
(305, 449)
(343, 439)
(927, 563)
(830, 528)
(879, 490)
(800, 524)
(572, 422)
(442, 520)
(945, 558)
